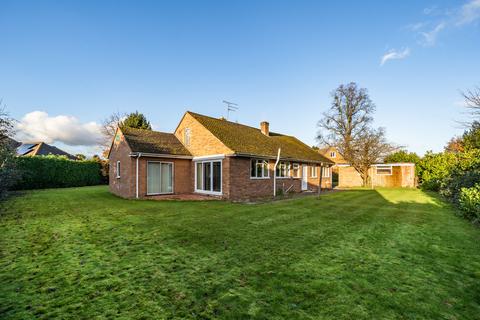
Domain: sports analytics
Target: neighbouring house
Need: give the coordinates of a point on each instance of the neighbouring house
(381, 174)
(41, 149)
(213, 156)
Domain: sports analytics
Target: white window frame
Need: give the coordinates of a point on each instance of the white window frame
(296, 166)
(313, 171)
(173, 178)
(325, 172)
(263, 169)
(287, 168)
(333, 154)
(186, 137)
(211, 161)
(383, 167)
(118, 169)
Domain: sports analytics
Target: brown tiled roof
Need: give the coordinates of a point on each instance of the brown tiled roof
(149, 141)
(247, 140)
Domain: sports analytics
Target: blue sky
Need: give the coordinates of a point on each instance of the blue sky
(66, 65)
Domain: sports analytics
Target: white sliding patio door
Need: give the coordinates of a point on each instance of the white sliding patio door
(159, 177)
(208, 177)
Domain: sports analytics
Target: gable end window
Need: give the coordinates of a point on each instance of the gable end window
(384, 170)
(259, 169)
(333, 154)
(186, 137)
(118, 169)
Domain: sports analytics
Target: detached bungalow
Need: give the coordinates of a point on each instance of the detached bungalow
(216, 157)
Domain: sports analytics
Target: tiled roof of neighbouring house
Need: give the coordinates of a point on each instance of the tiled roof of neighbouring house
(41, 149)
(149, 141)
(247, 140)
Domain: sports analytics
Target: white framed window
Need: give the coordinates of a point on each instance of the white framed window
(259, 169)
(313, 171)
(186, 137)
(283, 169)
(325, 172)
(208, 177)
(383, 170)
(118, 169)
(159, 177)
(296, 170)
(333, 154)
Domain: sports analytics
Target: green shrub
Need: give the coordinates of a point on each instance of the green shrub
(41, 172)
(433, 168)
(465, 174)
(470, 202)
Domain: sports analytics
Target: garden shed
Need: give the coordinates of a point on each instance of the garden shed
(381, 175)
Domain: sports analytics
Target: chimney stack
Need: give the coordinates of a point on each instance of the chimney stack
(264, 127)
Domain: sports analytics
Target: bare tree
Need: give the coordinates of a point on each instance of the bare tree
(472, 101)
(109, 126)
(370, 147)
(6, 124)
(349, 115)
(346, 126)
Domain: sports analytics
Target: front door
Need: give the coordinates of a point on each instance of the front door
(305, 178)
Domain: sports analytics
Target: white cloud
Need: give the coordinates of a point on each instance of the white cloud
(469, 12)
(429, 38)
(39, 126)
(395, 55)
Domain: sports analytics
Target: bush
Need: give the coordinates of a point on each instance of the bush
(470, 202)
(433, 168)
(8, 171)
(465, 174)
(40, 172)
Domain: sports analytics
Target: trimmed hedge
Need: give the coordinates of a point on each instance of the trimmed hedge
(40, 172)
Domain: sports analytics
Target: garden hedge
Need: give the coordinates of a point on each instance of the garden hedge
(41, 172)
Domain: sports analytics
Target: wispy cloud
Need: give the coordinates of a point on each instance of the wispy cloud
(469, 13)
(429, 38)
(394, 55)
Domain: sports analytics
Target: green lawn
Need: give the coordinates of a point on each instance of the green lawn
(364, 254)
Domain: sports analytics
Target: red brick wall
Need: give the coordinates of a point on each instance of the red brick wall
(239, 186)
(182, 175)
(202, 141)
(402, 176)
(123, 186)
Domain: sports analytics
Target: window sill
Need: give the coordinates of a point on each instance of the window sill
(159, 194)
(263, 178)
(213, 193)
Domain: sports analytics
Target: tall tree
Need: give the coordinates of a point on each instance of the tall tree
(8, 171)
(122, 120)
(6, 124)
(109, 126)
(472, 102)
(346, 125)
(370, 147)
(455, 145)
(136, 120)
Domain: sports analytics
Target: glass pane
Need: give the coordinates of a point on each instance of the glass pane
(153, 177)
(252, 168)
(259, 168)
(166, 177)
(265, 168)
(207, 186)
(217, 176)
(199, 176)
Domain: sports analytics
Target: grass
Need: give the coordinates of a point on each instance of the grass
(363, 254)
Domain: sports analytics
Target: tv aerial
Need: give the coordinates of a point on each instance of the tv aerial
(231, 106)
